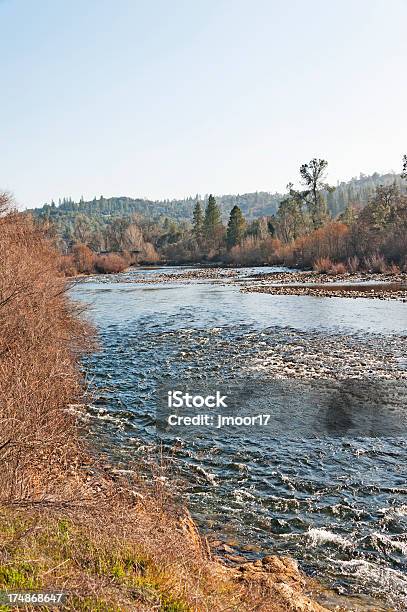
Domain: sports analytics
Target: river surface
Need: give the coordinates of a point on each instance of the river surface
(326, 479)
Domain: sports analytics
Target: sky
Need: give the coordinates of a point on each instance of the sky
(170, 98)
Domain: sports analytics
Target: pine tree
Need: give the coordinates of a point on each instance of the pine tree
(212, 219)
(198, 221)
(236, 227)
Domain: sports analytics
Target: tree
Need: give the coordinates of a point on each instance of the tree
(291, 219)
(379, 213)
(236, 227)
(132, 239)
(198, 221)
(212, 221)
(349, 215)
(312, 177)
(381, 227)
(260, 228)
(115, 232)
(404, 171)
(82, 229)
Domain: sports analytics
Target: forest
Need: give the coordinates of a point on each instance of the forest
(359, 224)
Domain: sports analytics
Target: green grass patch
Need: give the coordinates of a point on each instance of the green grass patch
(19, 575)
(62, 550)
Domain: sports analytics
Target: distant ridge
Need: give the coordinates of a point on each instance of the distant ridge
(356, 191)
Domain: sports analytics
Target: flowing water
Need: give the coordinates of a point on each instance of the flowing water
(326, 480)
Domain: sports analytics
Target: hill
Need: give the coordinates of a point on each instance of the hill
(356, 191)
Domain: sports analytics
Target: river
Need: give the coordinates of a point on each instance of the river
(326, 479)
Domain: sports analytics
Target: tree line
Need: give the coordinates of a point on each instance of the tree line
(303, 231)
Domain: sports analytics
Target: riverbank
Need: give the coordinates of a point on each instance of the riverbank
(127, 550)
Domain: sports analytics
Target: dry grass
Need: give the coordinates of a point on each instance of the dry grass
(129, 557)
(122, 559)
(338, 269)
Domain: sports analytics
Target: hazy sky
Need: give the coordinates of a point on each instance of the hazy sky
(170, 98)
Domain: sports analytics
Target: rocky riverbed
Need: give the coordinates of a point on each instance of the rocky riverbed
(381, 291)
(359, 285)
(170, 275)
(307, 276)
(289, 282)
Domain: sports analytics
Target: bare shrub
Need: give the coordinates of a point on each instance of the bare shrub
(252, 251)
(393, 269)
(375, 263)
(41, 338)
(249, 252)
(337, 268)
(353, 264)
(67, 265)
(323, 265)
(328, 242)
(286, 255)
(110, 264)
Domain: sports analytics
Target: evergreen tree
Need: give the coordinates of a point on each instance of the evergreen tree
(212, 219)
(312, 177)
(198, 221)
(404, 171)
(348, 216)
(236, 227)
